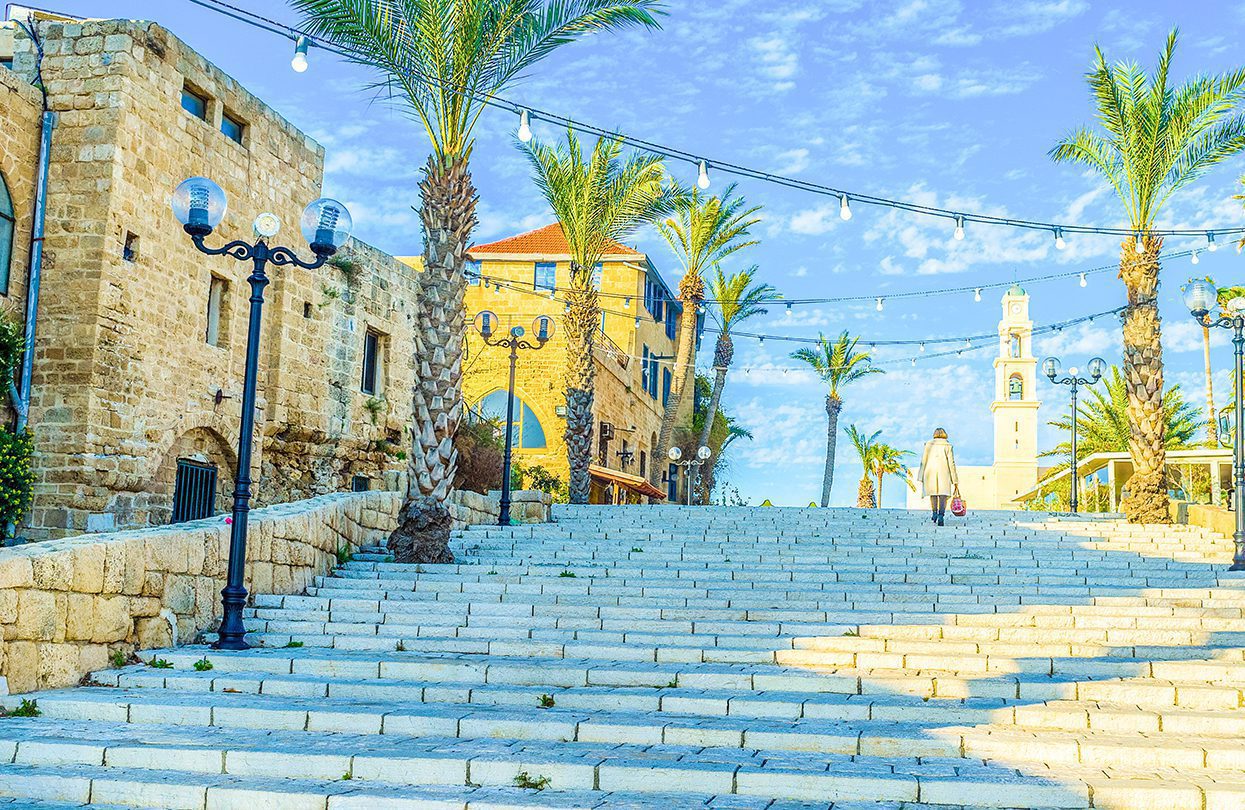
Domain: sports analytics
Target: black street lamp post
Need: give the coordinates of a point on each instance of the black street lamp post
(1202, 297)
(485, 323)
(199, 204)
(1095, 367)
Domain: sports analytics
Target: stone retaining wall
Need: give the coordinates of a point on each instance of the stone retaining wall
(472, 508)
(67, 605)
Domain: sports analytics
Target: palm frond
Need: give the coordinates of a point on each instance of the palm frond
(705, 230)
(837, 363)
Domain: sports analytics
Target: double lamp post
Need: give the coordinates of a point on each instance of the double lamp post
(199, 205)
(1095, 368)
(1202, 298)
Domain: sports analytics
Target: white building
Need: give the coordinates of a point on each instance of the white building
(1014, 473)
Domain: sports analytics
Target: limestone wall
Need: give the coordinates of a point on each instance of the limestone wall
(472, 508)
(66, 605)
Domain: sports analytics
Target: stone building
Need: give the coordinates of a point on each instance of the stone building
(140, 339)
(524, 276)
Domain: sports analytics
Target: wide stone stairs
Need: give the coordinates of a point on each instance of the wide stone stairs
(666, 657)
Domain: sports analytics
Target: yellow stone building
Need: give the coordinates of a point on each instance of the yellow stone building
(1014, 472)
(524, 276)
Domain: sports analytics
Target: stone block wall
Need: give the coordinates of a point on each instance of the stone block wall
(66, 605)
(473, 508)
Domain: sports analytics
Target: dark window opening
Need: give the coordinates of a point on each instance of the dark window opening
(306, 309)
(672, 483)
(194, 491)
(232, 128)
(216, 304)
(194, 103)
(360, 483)
(130, 251)
(6, 62)
(371, 363)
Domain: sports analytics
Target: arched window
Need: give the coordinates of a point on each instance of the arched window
(1015, 388)
(529, 434)
(6, 235)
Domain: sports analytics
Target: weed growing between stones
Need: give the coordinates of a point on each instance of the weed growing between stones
(292, 645)
(203, 664)
(546, 701)
(523, 780)
(636, 549)
(27, 708)
(567, 574)
(851, 632)
(159, 663)
(344, 555)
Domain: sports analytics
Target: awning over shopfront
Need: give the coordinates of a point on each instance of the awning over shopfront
(632, 483)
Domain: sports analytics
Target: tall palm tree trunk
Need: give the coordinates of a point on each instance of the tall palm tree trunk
(878, 504)
(1212, 429)
(723, 353)
(833, 406)
(448, 214)
(582, 321)
(691, 293)
(1143, 374)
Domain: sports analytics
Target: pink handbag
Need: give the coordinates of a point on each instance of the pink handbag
(958, 507)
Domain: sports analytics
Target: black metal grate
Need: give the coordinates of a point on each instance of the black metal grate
(194, 493)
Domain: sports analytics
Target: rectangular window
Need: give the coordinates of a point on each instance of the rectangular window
(130, 251)
(372, 377)
(232, 128)
(672, 483)
(652, 377)
(546, 277)
(6, 62)
(672, 322)
(360, 483)
(215, 306)
(194, 103)
(472, 270)
(666, 379)
(644, 369)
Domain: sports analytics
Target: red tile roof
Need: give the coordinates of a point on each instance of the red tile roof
(546, 241)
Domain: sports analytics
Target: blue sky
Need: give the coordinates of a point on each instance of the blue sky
(946, 103)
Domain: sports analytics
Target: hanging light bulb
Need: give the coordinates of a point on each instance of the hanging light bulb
(761, 340)
(959, 229)
(299, 62)
(627, 302)
(977, 295)
(1084, 281)
(968, 344)
(922, 347)
(845, 211)
(789, 313)
(525, 126)
(1211, 245)
(1194, 258)
(552, 291)
(637, 323)
(914, 361)
(1139, 245)
(1060, 243)
(879, 306)
(702, 181)
(873, 347)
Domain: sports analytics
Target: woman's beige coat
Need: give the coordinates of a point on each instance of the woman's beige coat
(938, 475)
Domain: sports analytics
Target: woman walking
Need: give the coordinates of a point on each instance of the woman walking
(938, 477)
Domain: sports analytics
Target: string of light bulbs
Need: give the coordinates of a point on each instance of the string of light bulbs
(970, 341)
(702, 164)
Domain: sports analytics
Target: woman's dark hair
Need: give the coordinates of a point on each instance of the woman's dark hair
(939, 433)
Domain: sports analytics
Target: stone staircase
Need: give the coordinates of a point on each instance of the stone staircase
(666, 657)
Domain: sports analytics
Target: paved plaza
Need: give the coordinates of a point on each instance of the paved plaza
(664, 657)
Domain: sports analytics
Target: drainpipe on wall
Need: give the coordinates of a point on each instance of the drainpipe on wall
(20, 395)
(22, 405)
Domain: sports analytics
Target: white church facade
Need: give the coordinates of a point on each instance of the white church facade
(1014, 472)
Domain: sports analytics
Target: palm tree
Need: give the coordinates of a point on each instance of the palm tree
(838, 364)
(738, 299)
(1102, 423)
(599, 199)
(704, 231)
(889, 460)
(442, 59)
(866, 446)
(1155, 139)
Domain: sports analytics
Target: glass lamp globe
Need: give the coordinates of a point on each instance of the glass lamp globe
(703, 453)
(1235, 305)
(199, 205)
(675, 454)
(542, 327)
(1096, 367)
(485, 322)
(517, 331)
(1200, 296)
(1050, 367)
(326, 225)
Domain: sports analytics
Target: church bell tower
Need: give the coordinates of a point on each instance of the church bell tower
(1015, 405)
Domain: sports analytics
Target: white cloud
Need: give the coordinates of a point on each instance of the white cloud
(776, 61)
(793, 161)
(814, 221)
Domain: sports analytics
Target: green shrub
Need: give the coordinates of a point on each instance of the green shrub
(16, 476)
